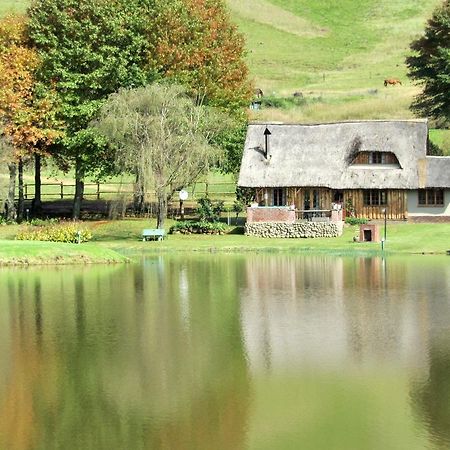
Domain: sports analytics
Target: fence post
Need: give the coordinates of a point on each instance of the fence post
(62, 190)
(206, 189)
(98, 190)
(26, 191)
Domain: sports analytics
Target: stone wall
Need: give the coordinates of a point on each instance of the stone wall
(294, 230)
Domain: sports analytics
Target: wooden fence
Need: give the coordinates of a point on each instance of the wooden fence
(111, 190)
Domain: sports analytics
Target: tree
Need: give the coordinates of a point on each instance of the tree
(7, 206)
(26, 108)
(161, 134)
(430, 66)
(194, 43)
(88, 49)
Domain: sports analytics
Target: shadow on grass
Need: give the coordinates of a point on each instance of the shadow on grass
(236, 230)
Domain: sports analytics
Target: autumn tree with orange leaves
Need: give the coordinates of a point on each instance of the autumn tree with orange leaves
(27, 114)
(195, 43)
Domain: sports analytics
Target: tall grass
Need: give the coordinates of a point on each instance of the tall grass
(372, 104)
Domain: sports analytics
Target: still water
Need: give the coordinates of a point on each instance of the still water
(227, 352)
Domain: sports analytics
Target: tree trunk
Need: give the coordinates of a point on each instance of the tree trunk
(10, 206)
(79, 190)
(138, 195)
(21, 204)
(161, 208)
(37, 201)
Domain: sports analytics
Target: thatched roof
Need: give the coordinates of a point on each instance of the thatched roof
(320, 156)
(437, 172)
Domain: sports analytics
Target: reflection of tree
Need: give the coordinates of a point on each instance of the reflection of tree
(124, 363)
(17, 417)
(432, 398)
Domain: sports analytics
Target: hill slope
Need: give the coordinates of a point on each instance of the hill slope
(337, 54)
(327, 44)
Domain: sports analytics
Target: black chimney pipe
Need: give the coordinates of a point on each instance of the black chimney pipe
(267, 133)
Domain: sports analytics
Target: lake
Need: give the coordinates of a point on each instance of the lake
(227, 351)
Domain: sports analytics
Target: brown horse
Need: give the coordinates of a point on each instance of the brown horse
(392, 81)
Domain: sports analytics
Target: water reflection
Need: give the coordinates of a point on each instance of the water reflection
(227, 352)
(318, 311)
(104, 359)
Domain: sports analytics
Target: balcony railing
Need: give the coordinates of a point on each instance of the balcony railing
(313, 215)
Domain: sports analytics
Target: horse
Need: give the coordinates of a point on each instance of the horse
(392, 81)
(258, 93)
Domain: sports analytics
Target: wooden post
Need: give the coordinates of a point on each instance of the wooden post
(62, 190)
(25, 187)
(98, 190)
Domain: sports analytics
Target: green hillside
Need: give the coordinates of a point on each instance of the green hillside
(337, 54)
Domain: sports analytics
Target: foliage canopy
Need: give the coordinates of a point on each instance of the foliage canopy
(162, 136)
(430, 66)
(27, 110)
(195, 43)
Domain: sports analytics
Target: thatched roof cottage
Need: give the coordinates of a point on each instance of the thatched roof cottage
(365, 166)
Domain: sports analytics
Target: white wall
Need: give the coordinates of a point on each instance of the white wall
(415, 210)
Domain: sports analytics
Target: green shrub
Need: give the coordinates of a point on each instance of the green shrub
(238, 207)
(4, 221)
(62, 232)
(43, 222)
(209, 211)
(200, 227)
(245, 195)
(282, 102)
(356, 220)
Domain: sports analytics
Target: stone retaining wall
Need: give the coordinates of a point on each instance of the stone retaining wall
(294, 230)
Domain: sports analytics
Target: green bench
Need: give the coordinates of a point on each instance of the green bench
(155, 234)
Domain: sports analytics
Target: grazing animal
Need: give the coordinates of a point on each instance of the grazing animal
(392, 81)
(258, 93)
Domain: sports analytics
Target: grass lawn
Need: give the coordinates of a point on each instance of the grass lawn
(34, 253)
(401, 238)
(114, 239)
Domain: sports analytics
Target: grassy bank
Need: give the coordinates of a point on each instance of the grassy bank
(22, 253)
(113, 241)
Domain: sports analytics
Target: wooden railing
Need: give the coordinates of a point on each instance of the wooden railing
(311, 214)
(108, 190)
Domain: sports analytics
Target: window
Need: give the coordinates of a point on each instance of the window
(278, 197)
(431, 197)
(375, 197)
(377, 158)
(311, 199)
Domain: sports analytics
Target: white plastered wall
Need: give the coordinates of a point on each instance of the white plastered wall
(415, 210)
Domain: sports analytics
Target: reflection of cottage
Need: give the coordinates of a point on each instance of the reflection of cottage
(366, 167)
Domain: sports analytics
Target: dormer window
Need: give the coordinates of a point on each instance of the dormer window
(377, 158)
(366, 158)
